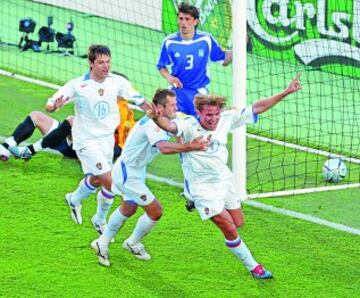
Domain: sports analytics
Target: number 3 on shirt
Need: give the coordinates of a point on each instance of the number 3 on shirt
(189, 61)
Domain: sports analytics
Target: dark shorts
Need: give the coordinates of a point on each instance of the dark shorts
(185, 100)
(65, 149)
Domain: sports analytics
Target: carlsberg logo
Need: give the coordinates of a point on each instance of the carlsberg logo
(332, 33)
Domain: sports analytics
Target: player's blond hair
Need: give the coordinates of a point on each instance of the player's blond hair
(212, 100)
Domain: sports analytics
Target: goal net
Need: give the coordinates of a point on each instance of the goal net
(288, 147)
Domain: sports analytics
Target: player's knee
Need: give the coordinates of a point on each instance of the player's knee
(230, 231)
(94, 181)
(127, 209)
(155, 212)
(36, 116)
(239, 223)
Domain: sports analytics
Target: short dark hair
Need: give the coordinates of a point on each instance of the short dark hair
(160, 96)
(186, 8)
(96, 50)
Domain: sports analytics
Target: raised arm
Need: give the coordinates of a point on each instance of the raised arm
(263, 105)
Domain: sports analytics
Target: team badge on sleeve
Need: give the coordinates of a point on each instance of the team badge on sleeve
(99, 165)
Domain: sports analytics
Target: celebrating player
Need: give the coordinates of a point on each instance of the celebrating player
(208, 180)
(188, 52)
(96, 118)
(145, 141)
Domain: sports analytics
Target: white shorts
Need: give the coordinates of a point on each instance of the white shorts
(130, 183)
(212, 198)
(96, 158)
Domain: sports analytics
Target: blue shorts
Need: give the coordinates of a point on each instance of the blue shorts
(65, 149)
(185, 99)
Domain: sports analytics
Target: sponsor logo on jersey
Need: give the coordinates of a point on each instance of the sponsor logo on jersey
(101, 91)
(99, 165)
(177, 55)
(201, 52)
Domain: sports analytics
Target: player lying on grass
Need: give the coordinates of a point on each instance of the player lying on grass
(209, 183)
(145, 141)
(56, 136)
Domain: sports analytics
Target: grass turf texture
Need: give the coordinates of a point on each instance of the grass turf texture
(48, 255)
(45, 254)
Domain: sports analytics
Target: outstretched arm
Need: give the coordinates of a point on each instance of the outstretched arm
(262, 106)
(163, 122)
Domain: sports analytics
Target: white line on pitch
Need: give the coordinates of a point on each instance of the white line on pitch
(306, 217)
(252, 203)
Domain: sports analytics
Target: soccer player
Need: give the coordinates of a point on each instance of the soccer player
(96, 118)
(146, 140)
(188, 52)
(208, 180)
(56, 136)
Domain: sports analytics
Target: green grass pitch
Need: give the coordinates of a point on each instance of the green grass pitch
(45, 255)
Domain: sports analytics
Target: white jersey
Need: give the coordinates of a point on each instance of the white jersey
(140, 146)
(209, 165)
(96, 109)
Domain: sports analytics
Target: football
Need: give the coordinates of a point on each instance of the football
(334, 170)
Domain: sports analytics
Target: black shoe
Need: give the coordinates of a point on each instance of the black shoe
(190, 205)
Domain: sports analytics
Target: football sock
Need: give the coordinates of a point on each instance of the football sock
(105, 199)
(84, 190)
(143, 226)
(55, 137)
(240, 250)
(24, 130)
(116, 221)
(36, 147)
(9, 142)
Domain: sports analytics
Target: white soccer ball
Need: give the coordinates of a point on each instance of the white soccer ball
(334, 170)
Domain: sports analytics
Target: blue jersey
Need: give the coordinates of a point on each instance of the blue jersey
(189, 58)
